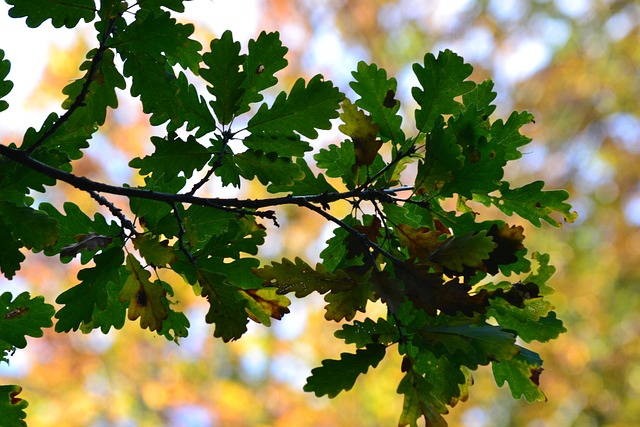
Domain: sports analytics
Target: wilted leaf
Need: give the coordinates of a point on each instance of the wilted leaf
(262, 304)
(155, 251)
(86, 242)
(146, 299)
(362, 131)
(300, 278)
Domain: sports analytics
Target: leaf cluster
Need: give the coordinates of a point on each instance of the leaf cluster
(460, 292)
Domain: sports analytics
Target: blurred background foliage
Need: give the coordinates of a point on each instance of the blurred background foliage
(575, 64)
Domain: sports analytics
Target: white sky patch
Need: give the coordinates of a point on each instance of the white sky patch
(522, 61)
(508, 10)
(619, 25)
(575, 8)
(219, 16)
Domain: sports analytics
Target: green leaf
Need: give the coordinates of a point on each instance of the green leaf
(284, 145)
(534, 321)
(468, 344)
(542, 273)
(5, 85)
(468, 250)
(114, 314)
(32, 228)
(453, 253)
(12, 407)
(100, 93)
(305, 110)
(172, 157)
(176, 325)
(442, 80)
(154, 215)
(67, 13)
(309, 185)
(225, 76)
(443, 157)
(419, 402)
(201, 224)
(91, 293)
(522, 372)
(334, 254)
(533, 204)
(339, 162)
(149, 48)
(268, 168)
(368, 332)
(335, 376)
(481, 97)
(300, 278)
(77, 223)
(449, 381)
(244, 236)
(191, 108)
(162, 38)
(265, 58)
(508, 133)
(484, 161)
(24, 316)
(227, 306)
(10, 255)
(377, 96)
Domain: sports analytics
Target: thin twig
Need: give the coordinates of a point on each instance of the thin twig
(226, 137)
(124, 221)
(181, 233)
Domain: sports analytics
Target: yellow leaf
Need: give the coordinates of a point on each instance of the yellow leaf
(145, 296)
(358, 125)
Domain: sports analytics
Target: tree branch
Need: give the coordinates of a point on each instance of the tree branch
(240, 206)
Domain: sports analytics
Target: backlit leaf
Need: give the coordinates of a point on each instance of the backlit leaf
(226, 306)
(22, 317)
(533, 204)
(304, 110)
(522, 372)
(335, 376)
(12, 407)
(81, 300)
(377, 96)
(5, 85)
(442, 79)
(66, 14)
